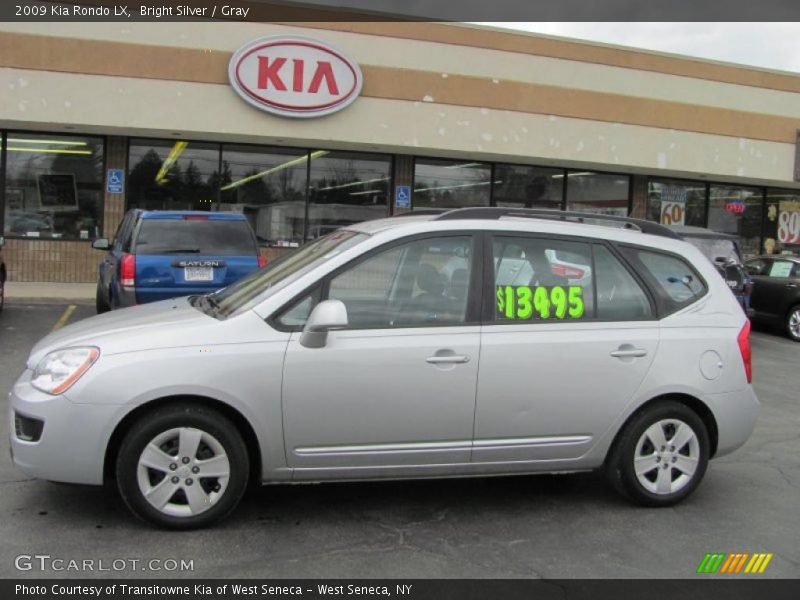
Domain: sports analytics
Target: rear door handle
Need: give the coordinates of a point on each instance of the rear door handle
(628, 352)
(439, 360)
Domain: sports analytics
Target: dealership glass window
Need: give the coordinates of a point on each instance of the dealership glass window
(53, 186)
(600, 193)
(451, 184)
(782, 222)
(346, 188)
(527, 187)
(673, 202)
(268, 185)
(737, 210)
(172, 175)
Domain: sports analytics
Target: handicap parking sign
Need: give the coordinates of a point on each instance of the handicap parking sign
(402, 196)
(115, 182)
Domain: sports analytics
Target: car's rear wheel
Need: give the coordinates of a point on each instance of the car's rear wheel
(100, 302)
(182, 467)
(793, 323)
(661, 455)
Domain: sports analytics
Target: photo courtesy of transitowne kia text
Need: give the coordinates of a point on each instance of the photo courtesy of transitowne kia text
(121, 10)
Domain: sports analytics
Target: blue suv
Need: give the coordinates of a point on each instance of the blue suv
(156, 255)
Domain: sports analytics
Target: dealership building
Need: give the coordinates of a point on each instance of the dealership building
(355, 121)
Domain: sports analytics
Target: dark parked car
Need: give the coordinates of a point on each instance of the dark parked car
(776, 291)
(157, 255)
(2, 274)
(723, 251)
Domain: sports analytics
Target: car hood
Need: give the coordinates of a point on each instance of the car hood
(170, 323)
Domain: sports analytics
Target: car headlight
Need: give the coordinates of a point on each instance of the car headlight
(57, 371)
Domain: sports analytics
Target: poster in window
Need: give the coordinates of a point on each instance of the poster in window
(57, 191)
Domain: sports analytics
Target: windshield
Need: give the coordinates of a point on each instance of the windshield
(247, 292)
(716, 248)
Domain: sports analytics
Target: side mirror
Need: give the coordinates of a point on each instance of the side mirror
(327, 316)
(101, 244)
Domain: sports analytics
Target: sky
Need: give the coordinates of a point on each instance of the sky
(770, 45)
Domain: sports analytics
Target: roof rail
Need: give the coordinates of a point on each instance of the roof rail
(497, 212)
(421, 212)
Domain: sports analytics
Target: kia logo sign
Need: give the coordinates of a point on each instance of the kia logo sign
(294, 76)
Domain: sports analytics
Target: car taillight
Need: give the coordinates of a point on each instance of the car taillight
(565, 271)
(744, 348)
(128, 270)
(262, 261)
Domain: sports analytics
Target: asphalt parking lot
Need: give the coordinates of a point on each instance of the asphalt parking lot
(566, 526)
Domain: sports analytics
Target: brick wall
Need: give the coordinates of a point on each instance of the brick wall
(51, 260)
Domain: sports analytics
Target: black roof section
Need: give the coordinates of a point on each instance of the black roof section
(496, 212)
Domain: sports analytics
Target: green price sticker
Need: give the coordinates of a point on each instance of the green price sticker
(523, 302)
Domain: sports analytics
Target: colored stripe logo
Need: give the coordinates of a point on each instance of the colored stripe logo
(735, 563)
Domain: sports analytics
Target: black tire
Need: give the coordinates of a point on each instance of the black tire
(620, 464)
(788, 324)
(160, 422)
(100, 302)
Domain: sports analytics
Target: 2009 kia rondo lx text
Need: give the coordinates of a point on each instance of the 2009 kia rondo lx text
(473, 342)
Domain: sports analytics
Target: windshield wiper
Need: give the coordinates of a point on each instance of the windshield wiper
(182, 251)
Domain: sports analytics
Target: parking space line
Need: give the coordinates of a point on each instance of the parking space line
(64, 317)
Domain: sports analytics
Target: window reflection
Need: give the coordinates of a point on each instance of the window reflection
(268, 185)
(451, 184)
(527, 187)
(346, 188)
(173, 175)
(598, 193)
(53, 186)
(737, 210)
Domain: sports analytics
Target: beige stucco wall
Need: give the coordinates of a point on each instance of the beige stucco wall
(117, 105)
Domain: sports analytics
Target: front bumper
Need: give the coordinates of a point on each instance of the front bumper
(73, 441)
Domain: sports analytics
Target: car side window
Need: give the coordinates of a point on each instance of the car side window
(757, 266)
(539, 279)
(296, 315)
(418, 284)
(619, 295)
(781, 268)
(673, 279)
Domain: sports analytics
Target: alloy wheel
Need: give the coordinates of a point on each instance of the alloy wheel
(183, 472)
(794, 323)
(666, 456)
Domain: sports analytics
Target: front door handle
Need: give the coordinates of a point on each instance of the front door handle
(790, 285)
(628, 351)
(440, 360)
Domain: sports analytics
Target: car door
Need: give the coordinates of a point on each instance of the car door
(562, 353)
(774, 287)
(396, 389)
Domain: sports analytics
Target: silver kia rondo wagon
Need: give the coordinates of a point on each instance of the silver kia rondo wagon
(477, 341)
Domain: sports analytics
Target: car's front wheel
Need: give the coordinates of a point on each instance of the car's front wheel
(182, 467)
(661, 455)
(793, 323)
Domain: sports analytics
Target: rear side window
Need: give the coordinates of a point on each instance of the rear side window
(673, 279)
(619, 296)
(195, 236)
(538, 279)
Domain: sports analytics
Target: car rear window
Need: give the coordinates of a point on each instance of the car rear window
(195, 236)
(675, 282)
